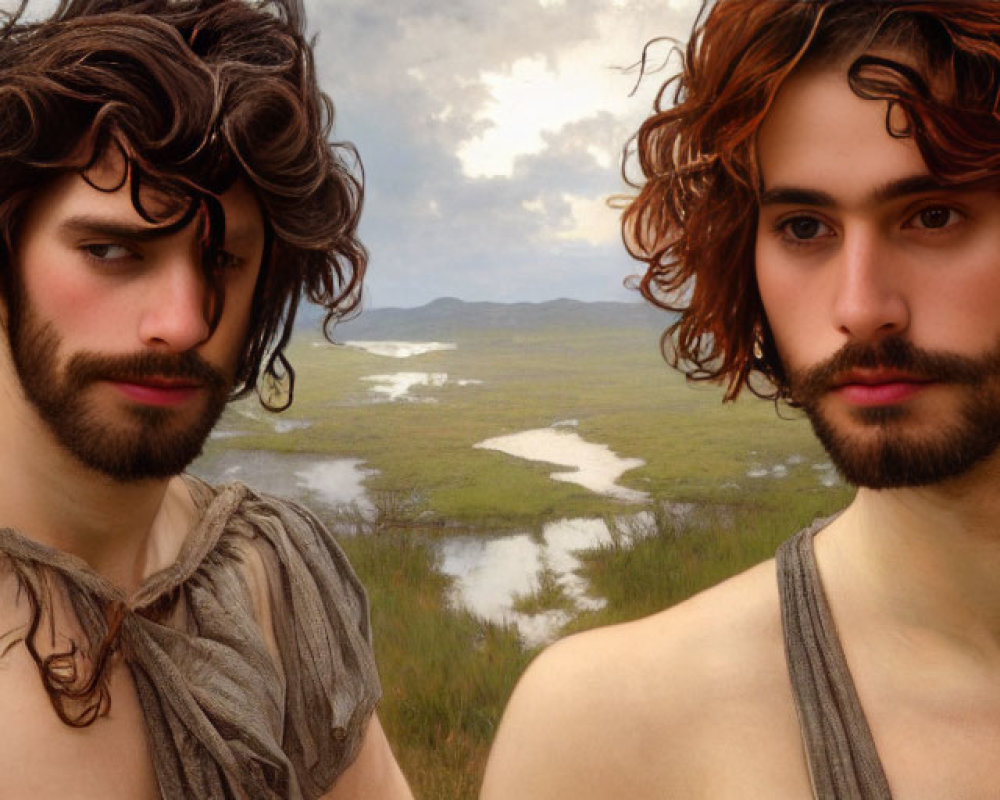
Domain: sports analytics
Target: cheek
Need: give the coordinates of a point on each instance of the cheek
(49, 285)
(238, 327)
(80, 305)
(235, 323)
(72, 302)
(956, 307)
(777, 292)
(792, 308)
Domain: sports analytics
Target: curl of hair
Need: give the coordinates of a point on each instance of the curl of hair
(195, 94)
(76, 677)
(694, 219)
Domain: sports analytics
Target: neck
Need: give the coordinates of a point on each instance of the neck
(124, 531)
(927, 557)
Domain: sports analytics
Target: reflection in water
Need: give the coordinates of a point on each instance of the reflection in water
(400, 349)
(306, 477)
(594, 466)
(287, 425)
(489, 574)
(397, 385)
(827, 474)
(567, 536)
(824, 471)
(220, 433)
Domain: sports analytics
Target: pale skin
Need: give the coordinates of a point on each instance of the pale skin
(695, 702)
(116, 295)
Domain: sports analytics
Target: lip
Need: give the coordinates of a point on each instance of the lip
(870, 388)
(163, 392)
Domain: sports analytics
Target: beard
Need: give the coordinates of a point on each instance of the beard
(142, 442)
(885, 454)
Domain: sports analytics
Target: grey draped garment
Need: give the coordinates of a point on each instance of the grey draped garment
(251, 653)
(840, 752)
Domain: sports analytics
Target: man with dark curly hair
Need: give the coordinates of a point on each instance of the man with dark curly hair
(168, 192)
(821, 206)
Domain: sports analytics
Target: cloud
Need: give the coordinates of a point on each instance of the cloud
(491, 134)
(545, 92)
(591, 220)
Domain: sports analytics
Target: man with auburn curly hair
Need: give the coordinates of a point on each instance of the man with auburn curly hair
(822, 204)
(167, 194)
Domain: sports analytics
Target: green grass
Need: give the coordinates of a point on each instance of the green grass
(613, 382)
(548, 594)
(446, 674)
(681, 559)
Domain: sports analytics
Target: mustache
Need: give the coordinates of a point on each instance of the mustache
(893, 353)
(84, 368)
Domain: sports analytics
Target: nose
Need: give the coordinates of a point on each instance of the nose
(869, 302)
(176, 313)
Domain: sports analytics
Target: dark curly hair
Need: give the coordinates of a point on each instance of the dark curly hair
(694, 220)
(195, 94)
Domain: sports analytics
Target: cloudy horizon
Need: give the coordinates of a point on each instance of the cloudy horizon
(491, 138)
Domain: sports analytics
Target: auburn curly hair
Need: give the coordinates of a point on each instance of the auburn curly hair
(195, 94)
(694, 219)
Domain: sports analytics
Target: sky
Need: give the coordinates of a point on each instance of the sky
(491, 136)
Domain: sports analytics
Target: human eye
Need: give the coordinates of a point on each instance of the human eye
(224, 261)
(107, 252)
(230, 260)
(935, 217)
(803, 229)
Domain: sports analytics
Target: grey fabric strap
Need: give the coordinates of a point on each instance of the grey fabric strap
(843, 763)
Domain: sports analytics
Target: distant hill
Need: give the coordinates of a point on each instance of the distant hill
(447, 317)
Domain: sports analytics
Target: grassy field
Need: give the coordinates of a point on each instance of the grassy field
(446, 674)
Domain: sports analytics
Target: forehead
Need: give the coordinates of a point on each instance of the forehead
(106, 193)
(821, 136)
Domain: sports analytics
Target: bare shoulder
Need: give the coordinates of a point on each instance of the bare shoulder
(638, 709)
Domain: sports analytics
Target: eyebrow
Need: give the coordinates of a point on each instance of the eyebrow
(893, 190)
(98, 226)
(107, 227)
